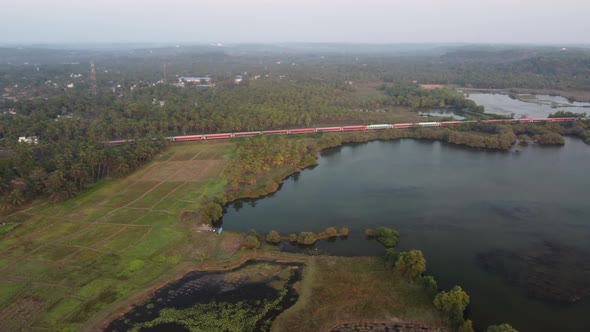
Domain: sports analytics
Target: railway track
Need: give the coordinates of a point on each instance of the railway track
(220, 136)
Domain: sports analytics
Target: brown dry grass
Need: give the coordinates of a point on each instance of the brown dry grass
(184, 171)
(344, 289)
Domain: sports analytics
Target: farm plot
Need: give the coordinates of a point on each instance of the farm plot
(61, 264)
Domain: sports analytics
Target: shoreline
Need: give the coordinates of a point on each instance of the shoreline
(242, 257)
(142, 295)
(575, 95)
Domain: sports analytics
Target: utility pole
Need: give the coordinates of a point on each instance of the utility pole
(93, 85)
(165, 73)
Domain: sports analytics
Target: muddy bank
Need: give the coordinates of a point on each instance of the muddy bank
(250, 296)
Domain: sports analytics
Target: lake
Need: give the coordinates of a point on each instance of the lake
(539, 107)
(511, 228)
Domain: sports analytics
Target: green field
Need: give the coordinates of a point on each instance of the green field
(64, 264)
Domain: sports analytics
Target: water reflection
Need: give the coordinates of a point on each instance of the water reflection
(451, 202)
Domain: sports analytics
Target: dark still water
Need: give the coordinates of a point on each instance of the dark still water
(513, 229)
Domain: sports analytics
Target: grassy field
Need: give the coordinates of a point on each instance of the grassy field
(336, 290)
(61, 264)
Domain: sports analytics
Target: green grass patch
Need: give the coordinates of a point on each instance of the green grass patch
(158, 218)
(54, 210)
(184, 155)
(68, 282)
(5, 229)
(49, 295)
(78, 276)
(92, 236)
(56, 230)
(164, 155)
(124, 239)
(26, 269)
(58, 313)
(84, 257)
(91, 306)
(9, 291)
(88, 214)
(124, 216)
(156, 195)
(17, 218)
(157, 241)
(184, 197)
(131, 193)
(211, 154)
(54, 252)
(19, 247)
(95, 287)
(5, 243)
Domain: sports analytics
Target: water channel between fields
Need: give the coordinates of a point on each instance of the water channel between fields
(510, 228)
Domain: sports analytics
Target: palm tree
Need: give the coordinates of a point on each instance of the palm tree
(121, 166)
(79, 174)
(6, 205)
(16, 198)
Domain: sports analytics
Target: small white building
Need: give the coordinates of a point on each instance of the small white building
(28, 139)
(198, 80)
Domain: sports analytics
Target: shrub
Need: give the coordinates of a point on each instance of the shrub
(343, 231)
(387, 237)
(501, 328)
(292, 237)
(370, 232)
(211, 212)
(331, 232)
(256, 235)
(251, 242)
(452, 304)
(466, 326)
(307, 238)
(391, 256)
(429, 284)
(411, 264)
(273, 237)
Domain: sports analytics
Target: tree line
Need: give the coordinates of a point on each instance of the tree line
(69, 155)
(413, 96)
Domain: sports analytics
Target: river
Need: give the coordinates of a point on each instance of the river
(470, 211)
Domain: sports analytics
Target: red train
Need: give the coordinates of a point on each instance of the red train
(209, 137)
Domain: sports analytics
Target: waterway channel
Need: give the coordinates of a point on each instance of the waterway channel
(500, 224)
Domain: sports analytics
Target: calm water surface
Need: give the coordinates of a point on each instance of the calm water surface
(451, 202)
(541, 108)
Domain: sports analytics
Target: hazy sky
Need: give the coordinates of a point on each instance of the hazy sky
(369, 21)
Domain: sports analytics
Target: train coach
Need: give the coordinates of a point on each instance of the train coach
(209, 137)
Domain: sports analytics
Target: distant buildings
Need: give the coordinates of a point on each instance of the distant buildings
(198, 81)
(28, 139)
